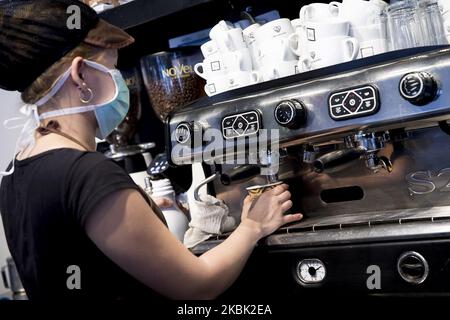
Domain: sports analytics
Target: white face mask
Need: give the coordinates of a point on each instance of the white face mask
(109, 114)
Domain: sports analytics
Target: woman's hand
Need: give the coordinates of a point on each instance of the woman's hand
(267, 212)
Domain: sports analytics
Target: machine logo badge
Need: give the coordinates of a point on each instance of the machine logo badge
(425, 182)
(277, 29)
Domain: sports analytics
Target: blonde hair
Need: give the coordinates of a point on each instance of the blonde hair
(44, 83)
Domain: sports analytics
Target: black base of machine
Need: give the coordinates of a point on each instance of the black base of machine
(271, 273)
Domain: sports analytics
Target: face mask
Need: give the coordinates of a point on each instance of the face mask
(109, 115)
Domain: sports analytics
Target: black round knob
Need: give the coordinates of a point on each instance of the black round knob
(419, 88)
(290, 114)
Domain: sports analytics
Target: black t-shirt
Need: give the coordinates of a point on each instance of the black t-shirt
(44, 206)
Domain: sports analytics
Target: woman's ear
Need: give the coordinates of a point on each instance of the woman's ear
(76, 71)
(86, 93)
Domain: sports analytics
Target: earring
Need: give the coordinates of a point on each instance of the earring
(86, 94)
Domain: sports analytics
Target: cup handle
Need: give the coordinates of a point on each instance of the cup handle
(255, 77)
(303, 12)
(239, 58)
(353, 46)
(305, 63)
(197, 70)
(294, 43)
(334, 8)
(207, 90)
(229, 43)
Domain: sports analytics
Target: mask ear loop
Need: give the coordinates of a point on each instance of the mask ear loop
(28, 129)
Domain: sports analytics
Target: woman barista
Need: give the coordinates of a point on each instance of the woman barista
(63, 204)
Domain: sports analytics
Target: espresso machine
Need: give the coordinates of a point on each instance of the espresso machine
(365, 149)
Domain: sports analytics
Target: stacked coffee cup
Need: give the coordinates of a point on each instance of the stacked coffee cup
(269, 45)
(228, 64)
(367, 24)
(322, 38)
(445, 11)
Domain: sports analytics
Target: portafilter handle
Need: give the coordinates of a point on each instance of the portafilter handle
(240, 173)
(244, 172)
(337, 158)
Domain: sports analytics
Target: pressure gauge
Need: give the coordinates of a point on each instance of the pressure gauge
(311, 271)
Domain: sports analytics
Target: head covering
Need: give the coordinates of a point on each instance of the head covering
(34, 34)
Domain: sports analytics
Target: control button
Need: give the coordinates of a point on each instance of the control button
(412, 267)
(338, 98)
(229, 133)
(228, 122)
(290, 114)
(366, 92)
(339, 111)
(352, 102)
(183, 133)
(240, 125)
(251, 117)
(368, 105)
(419, 88)
(252, 128)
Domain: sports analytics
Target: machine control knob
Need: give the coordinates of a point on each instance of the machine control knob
(419, 88)
(290, 114)
(412, 267)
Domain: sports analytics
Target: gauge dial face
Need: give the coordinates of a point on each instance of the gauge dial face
(311, 271)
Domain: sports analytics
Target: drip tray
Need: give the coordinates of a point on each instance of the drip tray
(370, 227)
(370, 219)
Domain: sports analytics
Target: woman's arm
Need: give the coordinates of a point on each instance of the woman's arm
(124, 227)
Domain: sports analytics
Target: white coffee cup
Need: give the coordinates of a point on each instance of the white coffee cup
(360, 12)
(250, 39)
(276, 29)
(447, 29)
(275, 51)
(318, 12)
(209, 49)
(372, 47)
(329, 52)
(316, 31)
(220, 27)
(296, 23)
(368, 32)
(222, 64)
(232, 81)
(230, 40)
(211, 67)
(279, 70)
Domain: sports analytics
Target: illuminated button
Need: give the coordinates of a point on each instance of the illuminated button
(251, 117)
(229, 133)
(339, 111)
(228, 122)
(352, 102)
(240, 125)
(252, 128)
(338, 98)
(366, 93)
(367, 105)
